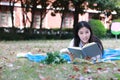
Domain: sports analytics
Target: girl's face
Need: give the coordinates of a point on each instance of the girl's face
(84, 34)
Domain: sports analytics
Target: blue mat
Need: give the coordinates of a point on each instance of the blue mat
(35, 57)
(109, 54)
(39, 58)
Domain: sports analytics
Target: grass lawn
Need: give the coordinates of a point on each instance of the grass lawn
(12, 68)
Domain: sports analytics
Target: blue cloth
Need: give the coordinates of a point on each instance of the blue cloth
(66, 57)
(35, 57)
(109, 54)
(39, 58)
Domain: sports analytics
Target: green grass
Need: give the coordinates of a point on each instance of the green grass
(13, 68)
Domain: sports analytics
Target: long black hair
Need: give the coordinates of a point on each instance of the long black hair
(93, 38)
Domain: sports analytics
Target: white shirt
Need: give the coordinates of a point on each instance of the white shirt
(72, 44)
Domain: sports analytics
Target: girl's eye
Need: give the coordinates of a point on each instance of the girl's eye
(86, 31)
(80, 32)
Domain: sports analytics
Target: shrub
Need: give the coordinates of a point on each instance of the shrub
(54, 58)
(98, 28)
(35, 34)
(116, 20)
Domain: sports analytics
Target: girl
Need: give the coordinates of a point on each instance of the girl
(83, 35)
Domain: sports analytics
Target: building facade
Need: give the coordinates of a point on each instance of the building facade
(48, 22)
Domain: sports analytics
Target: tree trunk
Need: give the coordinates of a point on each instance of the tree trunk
(62, 18)
(12, 17)
(76, 17)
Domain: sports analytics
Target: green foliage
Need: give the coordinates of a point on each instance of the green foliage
(116, 20)
(117, 75)
(103, 4)
(36, 34)
(53, 58)
(98, 28)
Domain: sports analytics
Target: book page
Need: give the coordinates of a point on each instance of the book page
(89, 44)
(92, 50)
(76, 51)
(77, 48)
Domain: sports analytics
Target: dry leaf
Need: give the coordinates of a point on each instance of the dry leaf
(0, 67)
(119, 70)
(86, 70)
(99, 68)
(72, 76)
(76, 68)
(64, 68)
(41, 65)
(43, 78)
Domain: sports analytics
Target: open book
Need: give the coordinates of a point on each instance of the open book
(90, 50)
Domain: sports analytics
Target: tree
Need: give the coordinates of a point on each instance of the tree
(33, 7)
(22, 6)
(62, 7)
(11, 5)
(102, 4)
(25, 10)
(117, 9)
(44, 4)
(93, 4)
(66, 5)
(78, 9)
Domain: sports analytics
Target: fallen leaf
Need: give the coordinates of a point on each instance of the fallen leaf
(72, 76)
(76, 68)
(64, 68)
(43, 78)
(119, 70)
(41, 65)
(99, 68)
(86, 70)
(0, 67)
